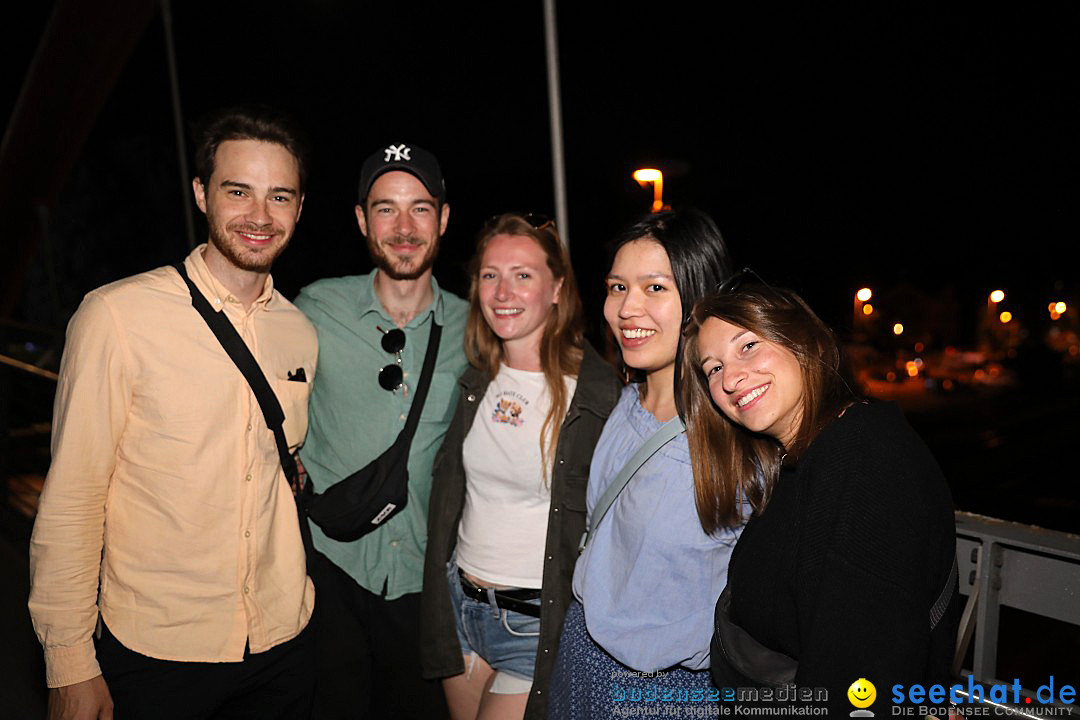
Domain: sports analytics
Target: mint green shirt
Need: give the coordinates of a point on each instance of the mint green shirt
(351, 419)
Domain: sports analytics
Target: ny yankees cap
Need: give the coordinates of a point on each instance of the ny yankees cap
(409, 158)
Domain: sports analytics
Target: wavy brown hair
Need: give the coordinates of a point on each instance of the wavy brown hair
(563, 338)
(733, 465)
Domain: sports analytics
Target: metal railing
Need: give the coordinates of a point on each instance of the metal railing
(1024, 567)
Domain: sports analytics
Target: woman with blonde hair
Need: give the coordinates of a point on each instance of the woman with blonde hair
(847, 568)
(508, 499)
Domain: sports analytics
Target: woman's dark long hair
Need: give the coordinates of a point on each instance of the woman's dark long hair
(697, 252)
(733, 465)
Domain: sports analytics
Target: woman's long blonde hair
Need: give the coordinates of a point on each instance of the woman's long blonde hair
(563, 338)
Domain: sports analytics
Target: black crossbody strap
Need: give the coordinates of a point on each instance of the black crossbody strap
(426, 372)
(238, 350)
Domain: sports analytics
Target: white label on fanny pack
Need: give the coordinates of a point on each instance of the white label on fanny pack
(383, 513)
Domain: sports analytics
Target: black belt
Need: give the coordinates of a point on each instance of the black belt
(513, 600)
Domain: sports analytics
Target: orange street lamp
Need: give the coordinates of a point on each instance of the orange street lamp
(898, 329)
(644, 176)
(1005, 317)
(997, 296)
(867, 309)
(861, 296)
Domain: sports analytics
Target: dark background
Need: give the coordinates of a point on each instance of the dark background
(927, 151)
(836, 147)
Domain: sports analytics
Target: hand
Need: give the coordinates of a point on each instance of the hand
(87, 700)
(297, 483)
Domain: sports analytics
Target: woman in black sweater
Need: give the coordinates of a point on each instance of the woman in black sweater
(846, 570)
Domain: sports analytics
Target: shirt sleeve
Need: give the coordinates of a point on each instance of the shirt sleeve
(93, 395)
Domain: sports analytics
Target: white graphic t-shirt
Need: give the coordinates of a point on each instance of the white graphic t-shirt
(504, 524)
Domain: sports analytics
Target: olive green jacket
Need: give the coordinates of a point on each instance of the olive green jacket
(596, 394)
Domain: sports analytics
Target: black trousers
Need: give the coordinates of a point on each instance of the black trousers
(368, 653)
(278, 683)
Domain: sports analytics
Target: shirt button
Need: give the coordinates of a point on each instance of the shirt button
(245, 589)
(249, 427)
(562, 461)
(471, 398)
(248, 478)
(550, 558)
(247, 533)
(554, 509)
(401, 417)
(545, 651)
(394, 543)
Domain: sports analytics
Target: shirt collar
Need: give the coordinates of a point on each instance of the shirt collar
(369, 302)
(212, 288)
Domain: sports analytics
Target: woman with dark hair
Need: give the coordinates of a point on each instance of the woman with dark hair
(846, 569)
(648, 578)
(508, 499)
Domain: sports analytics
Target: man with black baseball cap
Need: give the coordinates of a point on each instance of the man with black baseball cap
(373, 333)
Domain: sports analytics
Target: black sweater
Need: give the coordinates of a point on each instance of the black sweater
(841, 569)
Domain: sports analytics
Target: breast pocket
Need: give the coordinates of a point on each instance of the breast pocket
(293, 397)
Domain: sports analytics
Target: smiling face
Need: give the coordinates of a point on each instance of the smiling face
(402, 222)
(643, 308)
(517, 290)
(862, 693)
(755, 382)
(252, 202)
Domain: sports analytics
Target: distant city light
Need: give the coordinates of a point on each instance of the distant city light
(864, 294)
(912, 368)
(898, 329)
(867, 309)
(1060, 307)
(1005, 317)
(919, 347)
(997, 296)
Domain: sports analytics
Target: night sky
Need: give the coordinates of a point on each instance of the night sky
(835, 147)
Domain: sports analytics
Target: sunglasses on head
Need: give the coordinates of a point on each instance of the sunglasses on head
(537, 221)
(737, 280)
(392, 377)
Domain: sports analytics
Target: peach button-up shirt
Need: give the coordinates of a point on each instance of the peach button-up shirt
(165, 508)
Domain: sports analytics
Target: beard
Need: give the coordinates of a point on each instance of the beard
(245, 257)
(402, 268)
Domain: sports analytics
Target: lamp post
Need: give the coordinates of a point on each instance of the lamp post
(861, 297)
(992, 319)
(644, 176)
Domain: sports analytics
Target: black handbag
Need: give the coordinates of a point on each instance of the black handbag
(363, 501)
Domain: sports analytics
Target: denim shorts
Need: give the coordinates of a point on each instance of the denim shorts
(506, 640)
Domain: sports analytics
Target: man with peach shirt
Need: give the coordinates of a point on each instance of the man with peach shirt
(167, 569)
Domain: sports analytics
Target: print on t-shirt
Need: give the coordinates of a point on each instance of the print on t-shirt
(508, 409)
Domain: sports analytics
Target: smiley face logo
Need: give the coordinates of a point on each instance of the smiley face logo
(862, 693)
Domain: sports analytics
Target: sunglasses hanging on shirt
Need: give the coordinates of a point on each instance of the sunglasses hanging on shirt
(392, 377)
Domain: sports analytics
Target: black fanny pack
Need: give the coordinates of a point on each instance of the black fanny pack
(363, 501)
